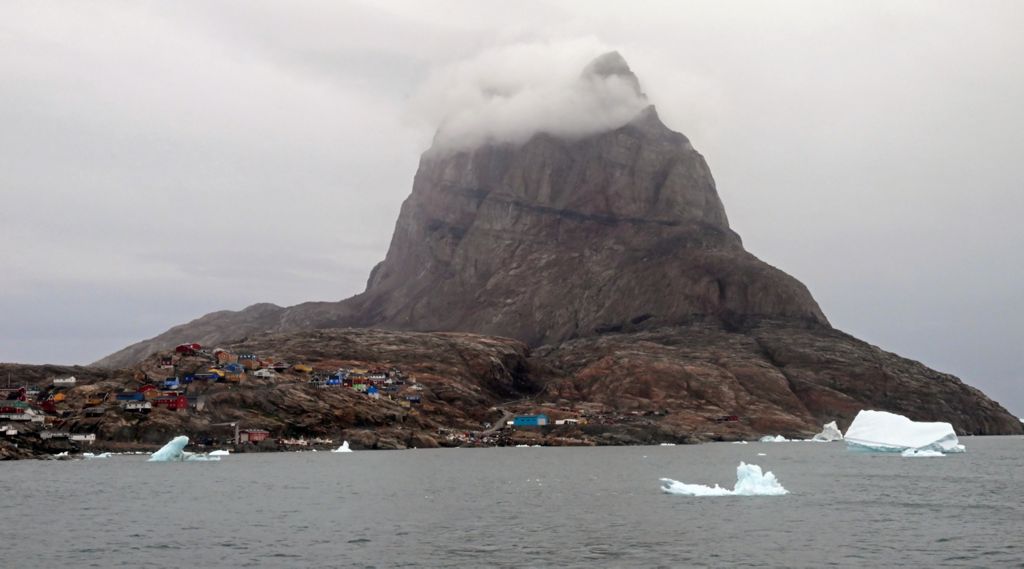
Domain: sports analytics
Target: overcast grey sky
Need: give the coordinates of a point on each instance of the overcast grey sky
(160, 160)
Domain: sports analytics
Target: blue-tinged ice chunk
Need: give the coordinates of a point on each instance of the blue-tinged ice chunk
(750, 481)
(173, 451)
(888, 432)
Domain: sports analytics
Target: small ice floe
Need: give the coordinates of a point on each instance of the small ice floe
(762, 454)
(829, 432)
(342, 448)
(90, 455)
(739, 442)
(919, 453)
(771, 439)
(881, 431)
(61, 454)
(750, 481)
(174, 451)
(667, 444)
(220, 453)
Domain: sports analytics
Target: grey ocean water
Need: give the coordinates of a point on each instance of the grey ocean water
(520, 507)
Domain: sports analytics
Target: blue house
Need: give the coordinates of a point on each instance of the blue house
(233, 368)
(129, 396)
(530, 421)
(333, 380)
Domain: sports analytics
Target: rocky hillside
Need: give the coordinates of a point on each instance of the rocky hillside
(692, 383)
(776, 376)
(611, 255)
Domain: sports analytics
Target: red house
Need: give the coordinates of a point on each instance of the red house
(188, 349)
(252, 435)
(145, 388)
(171, 402)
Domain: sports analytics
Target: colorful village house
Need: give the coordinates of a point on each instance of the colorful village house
(171, 402)
(188, 349)
(14, 410)
(96, 399)
(252, 435)
(373, 392)
(234, 373)
(223, 357)
(138, 406)
(249, 361)
(540, 420)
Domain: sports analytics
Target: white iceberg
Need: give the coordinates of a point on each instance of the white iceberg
(100, 455)
(917, 453)
(174, 451)
(888, 432)
(750, 481)
(668, 444)
(342, 448)
(739, 442)
(771, 439)
(829, 432)
(220, 453)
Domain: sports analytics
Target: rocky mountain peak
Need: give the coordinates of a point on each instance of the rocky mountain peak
(563, 234)
(612, 64)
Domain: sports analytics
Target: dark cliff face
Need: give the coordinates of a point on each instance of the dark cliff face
(545, 241)
(556, 239)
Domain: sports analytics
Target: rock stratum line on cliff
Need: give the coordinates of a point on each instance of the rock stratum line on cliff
(610, 255)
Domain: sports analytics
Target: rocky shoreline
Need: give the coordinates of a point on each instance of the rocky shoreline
(686, 384)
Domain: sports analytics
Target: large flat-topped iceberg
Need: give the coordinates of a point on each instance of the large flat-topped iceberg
(750, 481)
(889, 432)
